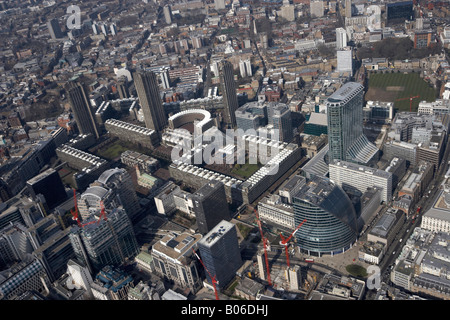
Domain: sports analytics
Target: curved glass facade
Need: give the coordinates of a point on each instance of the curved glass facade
(331, 223)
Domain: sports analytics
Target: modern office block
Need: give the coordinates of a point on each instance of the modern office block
(331, 222)
(228, 89)
(148, 92)
(15, 244)
(23, 277)
(92, 200)
(120, 182)
(345, 60)
(174, 259)
(54, 254)
(345, 173)
(279, 116)
(104, 242)
(81, 108)
(400, 11)
(49, 184)
(54, 29)
(219, 251)
(345, 125)
(210, 205)
(401, 149)
(251, 115)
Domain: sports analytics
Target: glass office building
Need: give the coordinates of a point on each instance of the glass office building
(345, 126)
(403, 10)
(331, 222)
(219, 250)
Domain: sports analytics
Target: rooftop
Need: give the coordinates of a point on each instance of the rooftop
(212, 236)
(176, 246)
(345, 93)
(361, 168)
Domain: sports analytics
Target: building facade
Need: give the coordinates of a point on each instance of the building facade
(219, 251)
(104, 242)
(361, 177)
(173, 258)
(345, 126)
(210, 206)
(331, 222)
(228, 89)
(148, 92)
(81, 108)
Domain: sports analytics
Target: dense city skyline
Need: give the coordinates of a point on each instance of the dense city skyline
(224, 150)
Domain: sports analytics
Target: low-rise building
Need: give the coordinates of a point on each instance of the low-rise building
(386, 228)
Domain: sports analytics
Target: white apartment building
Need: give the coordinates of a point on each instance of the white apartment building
(345, 60)
(341, 38)
(361, 177)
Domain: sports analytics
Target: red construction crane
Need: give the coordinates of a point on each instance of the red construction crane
(75, 213)
(284, 241)
(213, 279)
(265, 248)
(102, 212)
(410, 101)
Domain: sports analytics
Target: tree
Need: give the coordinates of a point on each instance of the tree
(324, 50)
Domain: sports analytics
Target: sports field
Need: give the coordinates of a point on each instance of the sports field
(391, 87)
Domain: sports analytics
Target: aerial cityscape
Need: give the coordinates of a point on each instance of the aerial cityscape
(233, 150)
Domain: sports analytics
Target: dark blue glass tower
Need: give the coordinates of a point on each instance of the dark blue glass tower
(331, 222)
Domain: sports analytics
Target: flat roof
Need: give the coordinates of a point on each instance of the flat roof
(360, 168)
(344, 92)
(174, 245)
(212, 236)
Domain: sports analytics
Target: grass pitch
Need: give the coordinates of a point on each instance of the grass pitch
(390, 87)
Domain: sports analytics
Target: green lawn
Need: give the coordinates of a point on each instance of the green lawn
(356, 270)
(112, 151)
(245, 170)
(399, 85)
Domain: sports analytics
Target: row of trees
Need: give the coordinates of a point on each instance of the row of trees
(396, 49)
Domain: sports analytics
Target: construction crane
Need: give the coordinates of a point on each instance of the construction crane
(75, 211)
(410, 101)
(265, 247)
(284, 241)
(213, 279)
